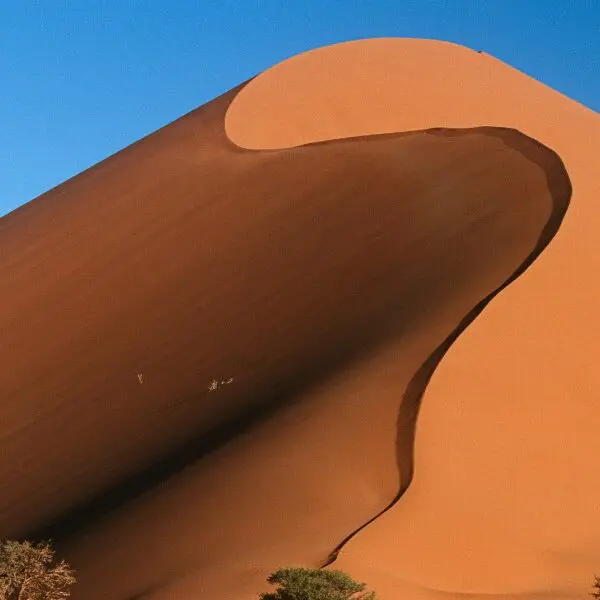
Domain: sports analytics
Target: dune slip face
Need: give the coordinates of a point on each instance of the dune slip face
(241, 313)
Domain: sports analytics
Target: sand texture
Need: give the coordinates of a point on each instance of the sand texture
(344, 314)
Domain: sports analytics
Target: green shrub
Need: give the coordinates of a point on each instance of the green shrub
(298, 583)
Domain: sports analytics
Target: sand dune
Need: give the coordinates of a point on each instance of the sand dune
(318, 283)
(505, 492)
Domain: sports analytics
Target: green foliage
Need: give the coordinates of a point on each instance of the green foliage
(298, 583)
(27, 572)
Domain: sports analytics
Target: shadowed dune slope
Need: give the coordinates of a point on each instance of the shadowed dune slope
(506, 488)
(326, 279)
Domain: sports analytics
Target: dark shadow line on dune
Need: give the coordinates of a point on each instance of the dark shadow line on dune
(560, 189)
(84, 514)
(274, 397)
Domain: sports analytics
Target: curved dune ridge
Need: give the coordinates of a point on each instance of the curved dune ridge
(522, 516)
(240, 296)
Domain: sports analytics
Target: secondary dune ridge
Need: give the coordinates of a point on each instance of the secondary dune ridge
(359, 382)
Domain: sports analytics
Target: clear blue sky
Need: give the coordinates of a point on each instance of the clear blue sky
(81, 79)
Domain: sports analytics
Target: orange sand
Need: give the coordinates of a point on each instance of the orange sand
(506, 491)
(320, 279)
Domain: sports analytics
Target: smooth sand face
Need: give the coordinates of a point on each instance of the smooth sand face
(504, 488)
(505, 495)
(388, 85)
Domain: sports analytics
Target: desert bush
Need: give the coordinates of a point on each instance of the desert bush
(29, 572)
(298, 583)
(596, 588)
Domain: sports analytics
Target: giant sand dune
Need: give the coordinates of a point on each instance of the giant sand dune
(217, 342)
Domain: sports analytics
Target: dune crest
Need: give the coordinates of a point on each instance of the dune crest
(386, 85)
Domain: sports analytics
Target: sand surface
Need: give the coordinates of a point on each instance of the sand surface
(318, 284)
(506, 487)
